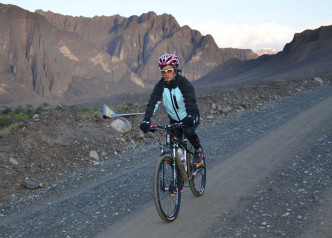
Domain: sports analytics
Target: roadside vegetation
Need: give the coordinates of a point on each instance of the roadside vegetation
(127, 106)
(9, 118)
(84, 112)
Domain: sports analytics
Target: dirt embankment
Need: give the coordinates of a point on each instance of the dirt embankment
(59, 145)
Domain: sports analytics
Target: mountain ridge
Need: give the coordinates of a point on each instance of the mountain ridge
(266, 51)
(308, 55)
(69, 59)
(152, 32)
(49, 57)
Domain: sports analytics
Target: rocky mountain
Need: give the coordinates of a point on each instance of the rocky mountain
(54, 58)
(266, 51)
(308, 55)
(40, 60)
(140, 40)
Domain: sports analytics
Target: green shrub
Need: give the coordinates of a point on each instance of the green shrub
(20, 113)
(39, 110)
(45, 105)
(85, 112)
(6, 111)
(127, 106)
(6, 121)
(19, 110)
(9, 128)
(74, 108)
(30, 110)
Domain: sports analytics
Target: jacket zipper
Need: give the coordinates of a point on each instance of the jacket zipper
(176, 102)
(170, 92)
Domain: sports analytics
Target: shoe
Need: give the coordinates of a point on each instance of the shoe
(198, 158)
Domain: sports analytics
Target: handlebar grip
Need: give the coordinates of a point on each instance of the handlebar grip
(153, 130)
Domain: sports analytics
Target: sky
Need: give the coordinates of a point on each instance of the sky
(238, 24)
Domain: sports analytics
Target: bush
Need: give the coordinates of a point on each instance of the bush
(19, 110)
(39, 110)
(7, 120)
(85, 112)
(127, 106)
(45, 105)
(9, 128)
(20, 113)
(74, 108)
(6, 111)
(30, 110)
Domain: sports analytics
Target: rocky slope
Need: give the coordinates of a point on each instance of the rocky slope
(46, 57)
(140, 40)
(119, 187)
(60, 145)
(266, 51)
(40, 61)
(307, 55)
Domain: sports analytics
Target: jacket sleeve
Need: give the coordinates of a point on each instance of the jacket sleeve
(156, 96)
(188, 93)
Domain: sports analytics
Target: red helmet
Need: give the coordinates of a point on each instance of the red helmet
(168, 59)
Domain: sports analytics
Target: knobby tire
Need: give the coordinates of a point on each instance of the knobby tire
(167, 197)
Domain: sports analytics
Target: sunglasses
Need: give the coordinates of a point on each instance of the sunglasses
(165, 71)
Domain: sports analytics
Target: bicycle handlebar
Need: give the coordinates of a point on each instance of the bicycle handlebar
(153, 128)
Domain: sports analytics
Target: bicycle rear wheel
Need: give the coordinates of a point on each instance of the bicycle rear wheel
(167, 194)
(197, 177)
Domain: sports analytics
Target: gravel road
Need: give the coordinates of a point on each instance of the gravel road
(290, 199)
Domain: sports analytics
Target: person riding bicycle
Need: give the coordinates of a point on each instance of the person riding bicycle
(178, 97)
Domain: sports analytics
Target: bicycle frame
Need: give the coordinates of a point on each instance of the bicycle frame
(173, 143)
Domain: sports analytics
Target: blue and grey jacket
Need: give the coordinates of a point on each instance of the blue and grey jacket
(178, 98)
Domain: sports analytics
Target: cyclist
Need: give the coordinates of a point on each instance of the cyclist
(178, 97)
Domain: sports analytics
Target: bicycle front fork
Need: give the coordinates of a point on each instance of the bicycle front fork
(174, 166)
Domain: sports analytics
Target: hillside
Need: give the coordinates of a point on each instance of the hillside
(63, 191)
(308, 55)
(39, 62)
(140, 40)
(51, 58)
(266, 51)
(48, 57)
(56, 146)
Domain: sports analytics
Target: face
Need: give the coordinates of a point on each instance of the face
(169, 75)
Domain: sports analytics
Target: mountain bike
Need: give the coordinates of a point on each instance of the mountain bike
(171, 172)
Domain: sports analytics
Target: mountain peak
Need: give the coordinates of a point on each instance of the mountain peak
(82, 58)
(266, 51)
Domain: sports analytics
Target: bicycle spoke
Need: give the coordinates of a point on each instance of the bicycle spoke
(198, 178)
(167, 198)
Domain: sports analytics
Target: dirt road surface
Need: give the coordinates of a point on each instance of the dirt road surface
(234, 178)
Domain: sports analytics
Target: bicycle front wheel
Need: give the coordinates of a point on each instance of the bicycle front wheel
(167, 194)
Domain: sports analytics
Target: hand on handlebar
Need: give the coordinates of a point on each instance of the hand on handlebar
(145, 126)
(188, 121)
